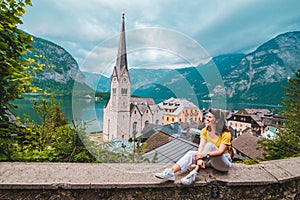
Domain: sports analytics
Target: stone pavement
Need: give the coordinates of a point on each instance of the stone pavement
(104, 176)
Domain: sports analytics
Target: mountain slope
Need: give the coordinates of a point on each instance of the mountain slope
(259, 75)
(97, 82)
(256, 77)
(60, 69)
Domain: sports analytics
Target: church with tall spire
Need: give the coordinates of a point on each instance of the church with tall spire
(124, 115)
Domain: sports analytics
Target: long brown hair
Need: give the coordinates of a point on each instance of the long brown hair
(220, 121)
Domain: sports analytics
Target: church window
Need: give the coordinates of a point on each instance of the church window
(124, 91)
(146, 122)
(135, 112)
(114, 91)
(134, 126)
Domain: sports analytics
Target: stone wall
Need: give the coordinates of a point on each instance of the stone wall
(277, 179)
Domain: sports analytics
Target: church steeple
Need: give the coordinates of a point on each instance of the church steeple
(121, 62)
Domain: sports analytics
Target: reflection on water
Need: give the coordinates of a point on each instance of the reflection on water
(91, 112)
(82, 109)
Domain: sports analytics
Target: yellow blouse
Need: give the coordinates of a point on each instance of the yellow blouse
(224, 138)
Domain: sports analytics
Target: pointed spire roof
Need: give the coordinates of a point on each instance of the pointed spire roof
(121, 62)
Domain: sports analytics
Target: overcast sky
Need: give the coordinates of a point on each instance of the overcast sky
(172, 30)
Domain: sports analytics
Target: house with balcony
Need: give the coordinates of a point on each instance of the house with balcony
(248, 118)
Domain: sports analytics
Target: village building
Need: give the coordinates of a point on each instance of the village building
(273, 122)
(248, 118)
(125, 116)
(180, 110)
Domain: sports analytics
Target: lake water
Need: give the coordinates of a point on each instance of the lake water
(91, 112)
(76, 109)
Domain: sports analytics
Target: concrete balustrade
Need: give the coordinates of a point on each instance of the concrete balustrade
(278, 179)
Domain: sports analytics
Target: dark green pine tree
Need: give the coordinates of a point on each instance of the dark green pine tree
(287, 141)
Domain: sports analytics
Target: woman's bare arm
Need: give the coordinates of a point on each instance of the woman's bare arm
(222, 148)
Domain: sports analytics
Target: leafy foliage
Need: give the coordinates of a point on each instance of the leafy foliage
(53, 140)
(13, 44)
(287, 141)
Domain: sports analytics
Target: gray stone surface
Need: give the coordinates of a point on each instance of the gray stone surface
(85, 175)
(283, 170)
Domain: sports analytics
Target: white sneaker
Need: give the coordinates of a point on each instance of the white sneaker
(190, 178)
(167, 174)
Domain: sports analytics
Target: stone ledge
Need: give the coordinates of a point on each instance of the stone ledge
(88, 176)
(268, 180)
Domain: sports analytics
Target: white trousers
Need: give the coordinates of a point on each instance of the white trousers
(220, 163)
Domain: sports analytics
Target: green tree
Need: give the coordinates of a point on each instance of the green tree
(13, 76)
(287, 141)
(54, 140)
(13, 44)
(58, 140)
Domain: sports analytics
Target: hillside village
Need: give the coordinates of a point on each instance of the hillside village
(174, 125)
(247, 126)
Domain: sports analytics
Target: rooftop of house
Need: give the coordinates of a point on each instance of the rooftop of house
(156, 140)
(177, 105)
(192, 124)
(173, 128)
(148, 130)
(247, 145)
(273, 120)
(138, 100)
(256, 111)
(171, 151)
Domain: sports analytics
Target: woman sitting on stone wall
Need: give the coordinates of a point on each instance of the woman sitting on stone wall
(215, 142)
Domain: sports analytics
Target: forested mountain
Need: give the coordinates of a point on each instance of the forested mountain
(256, 77)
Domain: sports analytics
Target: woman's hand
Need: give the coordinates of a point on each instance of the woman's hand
(201, 163)
(199, 156)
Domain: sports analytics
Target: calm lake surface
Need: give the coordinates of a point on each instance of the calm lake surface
(92, 112)
(76, 109)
